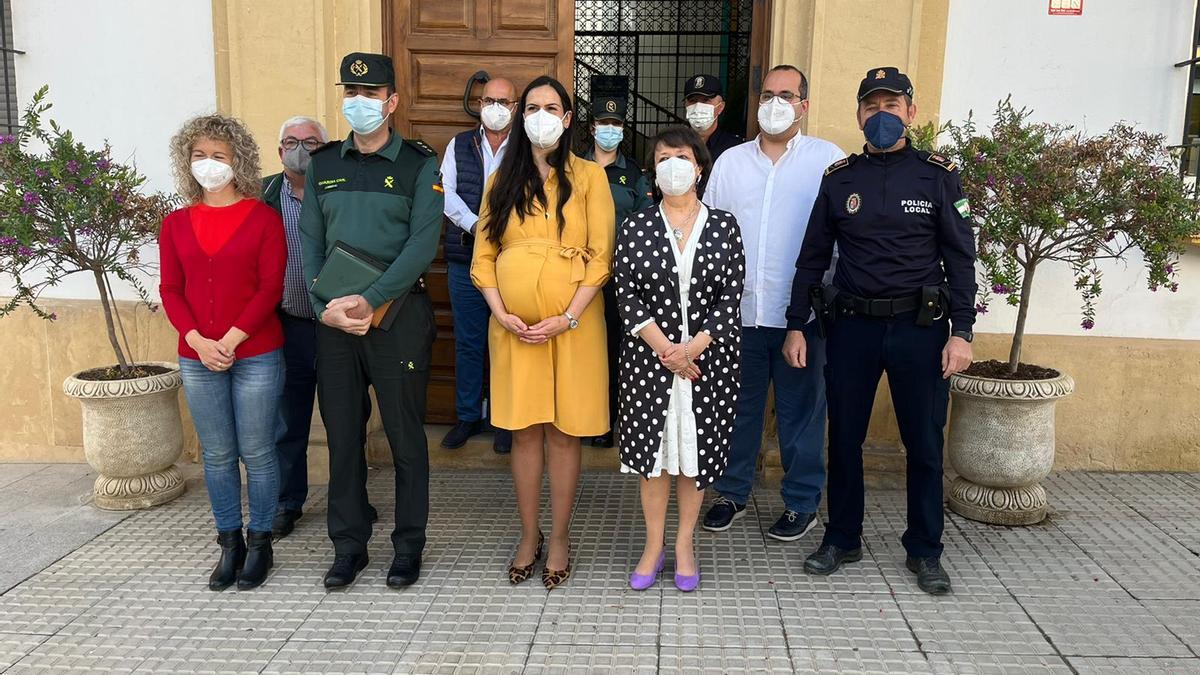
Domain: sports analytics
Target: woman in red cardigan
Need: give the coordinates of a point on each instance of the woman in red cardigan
(222, 263)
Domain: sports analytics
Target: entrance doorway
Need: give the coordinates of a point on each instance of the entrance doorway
(657, 45)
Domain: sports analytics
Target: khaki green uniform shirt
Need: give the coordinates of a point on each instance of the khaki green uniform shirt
(387, 204)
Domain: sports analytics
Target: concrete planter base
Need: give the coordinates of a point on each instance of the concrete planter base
(132, 436)
(1001, 444)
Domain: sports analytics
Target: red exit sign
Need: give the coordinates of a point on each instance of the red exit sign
(1066, 7)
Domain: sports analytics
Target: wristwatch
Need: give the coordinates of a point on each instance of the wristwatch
(572, 322)
(964, 334)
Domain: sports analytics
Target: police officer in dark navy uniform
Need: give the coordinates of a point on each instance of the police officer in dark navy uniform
(901, 302)
(631, 193)
(703, 104)
(381, 195)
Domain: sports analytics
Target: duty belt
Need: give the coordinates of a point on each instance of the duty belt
(878, 308)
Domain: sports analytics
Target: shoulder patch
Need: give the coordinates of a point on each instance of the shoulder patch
(942, 161)
(421, 146)
(330, 144)
(840, 164)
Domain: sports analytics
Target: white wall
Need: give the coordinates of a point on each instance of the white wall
(1113, 63)
(128, 71)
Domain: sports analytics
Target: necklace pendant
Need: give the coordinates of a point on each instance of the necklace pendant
(678, 233)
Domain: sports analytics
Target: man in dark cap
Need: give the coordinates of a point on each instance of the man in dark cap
(704, 103)
(631, 193)
(901, 302)
(376, 200)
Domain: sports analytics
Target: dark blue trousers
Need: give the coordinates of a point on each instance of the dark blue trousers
(858, 351)
(471, 316)
(296, 409)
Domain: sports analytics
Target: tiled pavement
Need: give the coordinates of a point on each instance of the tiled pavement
(1109, 584)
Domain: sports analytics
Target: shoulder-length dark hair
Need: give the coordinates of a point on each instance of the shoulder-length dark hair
(518, 184)
(683, 137)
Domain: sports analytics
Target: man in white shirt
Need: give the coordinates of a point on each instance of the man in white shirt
(769, 185)
(470, 159)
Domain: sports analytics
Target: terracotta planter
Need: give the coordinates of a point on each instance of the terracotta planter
(1001, 443)
(132, 436)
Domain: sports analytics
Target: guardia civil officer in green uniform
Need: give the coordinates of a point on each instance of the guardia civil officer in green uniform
(631, 193)
(381, 195)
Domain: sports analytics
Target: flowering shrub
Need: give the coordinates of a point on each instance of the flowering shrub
(1046, 192)
(69, 210)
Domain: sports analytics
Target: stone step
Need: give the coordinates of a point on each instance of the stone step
(883, 466)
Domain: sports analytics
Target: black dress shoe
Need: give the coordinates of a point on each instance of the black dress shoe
(285, 522)
(233, 555)
(828, 558)
(722, 513)
(931, 576)
(372, 514)
(502, 442)
(460, 434)
(792, 525)
(604, 441)
(345, 568)
(259, 560)
(404, 572)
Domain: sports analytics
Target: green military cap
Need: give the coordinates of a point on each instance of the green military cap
(608, 107)
(370, 70)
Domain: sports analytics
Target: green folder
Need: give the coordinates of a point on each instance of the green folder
(349, 271)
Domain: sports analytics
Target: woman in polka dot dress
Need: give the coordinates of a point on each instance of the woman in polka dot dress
(678, 270)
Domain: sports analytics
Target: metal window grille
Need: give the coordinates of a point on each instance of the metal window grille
(657, 44)
(10, 115)
(1190, 148)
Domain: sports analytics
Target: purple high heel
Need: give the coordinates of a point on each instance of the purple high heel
(640, 582)
(688, 583)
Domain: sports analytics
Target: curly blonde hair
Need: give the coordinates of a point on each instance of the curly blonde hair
(247, 176)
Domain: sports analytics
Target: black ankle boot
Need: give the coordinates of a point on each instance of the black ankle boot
(259, 560)
(233, 555)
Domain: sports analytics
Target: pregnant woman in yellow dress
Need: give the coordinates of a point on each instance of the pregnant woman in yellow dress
(542, 254)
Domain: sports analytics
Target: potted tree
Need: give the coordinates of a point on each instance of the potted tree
(1047, 193)
(67, 209)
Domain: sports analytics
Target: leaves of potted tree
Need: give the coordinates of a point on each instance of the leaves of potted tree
(1047, 193)
(67, 209)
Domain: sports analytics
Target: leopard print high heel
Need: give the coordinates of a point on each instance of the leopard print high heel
(518, 575)
(552, 579)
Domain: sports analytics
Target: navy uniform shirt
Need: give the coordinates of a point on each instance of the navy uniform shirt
(720, 141)
(900, 222)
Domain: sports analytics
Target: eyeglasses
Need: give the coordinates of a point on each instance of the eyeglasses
(487, 100)
(785, 96)
(309, 144)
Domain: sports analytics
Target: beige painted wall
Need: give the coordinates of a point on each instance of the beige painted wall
(835, 42)
(279, 58)
(38, 422)
(1134, 408)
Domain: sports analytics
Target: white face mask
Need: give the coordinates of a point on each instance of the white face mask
(495, 117)
(701, 115)
(211, 174)
(776, 116)
(544, 128)
(675, 176)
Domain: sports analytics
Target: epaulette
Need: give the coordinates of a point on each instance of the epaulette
(330, 144)
(840, 164)
(421, 147)
(942, 161)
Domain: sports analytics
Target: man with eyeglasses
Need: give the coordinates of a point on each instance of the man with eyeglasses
(284, 192)
(470, 159)
(769, 185)
(703, 102)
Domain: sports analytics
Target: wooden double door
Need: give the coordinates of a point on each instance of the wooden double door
(437, 45)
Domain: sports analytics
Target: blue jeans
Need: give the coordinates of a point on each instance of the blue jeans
(800, 408)
(471, 316)
(235, 416)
